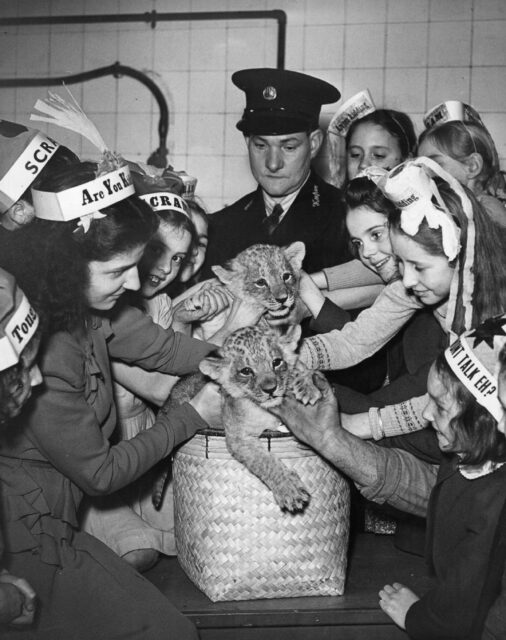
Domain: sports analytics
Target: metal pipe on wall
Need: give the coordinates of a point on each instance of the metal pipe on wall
(159, 157)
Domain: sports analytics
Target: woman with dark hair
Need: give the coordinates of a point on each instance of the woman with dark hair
(19, 343)
(77, 260)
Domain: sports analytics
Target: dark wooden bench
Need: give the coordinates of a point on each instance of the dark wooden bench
(373, 562)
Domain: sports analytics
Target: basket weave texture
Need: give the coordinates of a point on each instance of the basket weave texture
(233, 540)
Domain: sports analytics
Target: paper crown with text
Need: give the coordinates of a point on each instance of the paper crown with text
(353, 109)
(161, 191)
(451, 110)
(113, 181)
(18, 321)
(474, 359)
(24, 152)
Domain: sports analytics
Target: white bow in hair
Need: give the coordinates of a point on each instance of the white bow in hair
(85, 221)
(411, 189)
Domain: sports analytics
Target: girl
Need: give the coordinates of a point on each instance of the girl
(410, 353)
(80, 266)
(469, 494)
(190, 272)
(128, 523)
(383, 138)
(467, 152)
(18, 375)
(433, 276)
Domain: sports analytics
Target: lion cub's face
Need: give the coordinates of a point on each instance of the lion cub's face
(254, 362)
(265, 275)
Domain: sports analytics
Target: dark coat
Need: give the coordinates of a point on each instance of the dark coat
(462, 540)
(316, 217)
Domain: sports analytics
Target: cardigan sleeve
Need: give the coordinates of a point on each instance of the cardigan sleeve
(363, 337)
(350, 274)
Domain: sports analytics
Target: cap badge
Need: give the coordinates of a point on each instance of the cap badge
(269, 93)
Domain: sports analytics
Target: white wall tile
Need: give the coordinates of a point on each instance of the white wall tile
(406, 45)
(489, 10)
(209, 172)
(208, 49)
(324, 47)
(295, 48)
(405, 89)
(207, 92)
(100, 49)
(29, 8)
(107, 124)
(449, 44)
(238, 180)
(325, 12)
(66, 7)
(373, 11)
(489, 43)
(495, 124)
(245, 48)
(32, 54)
(407, 10)
(371, 52)
(8, 54)
(136, 49)
(451, 9)
(100, 95)
(447, 84)
(177, 140)
(175, 86)
(172, 50)
(488, 89)
(66, 53)
(206, 135)
(134, 134)
(134, 97)
(357, 79)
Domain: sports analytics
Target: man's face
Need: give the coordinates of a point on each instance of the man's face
(280, 164)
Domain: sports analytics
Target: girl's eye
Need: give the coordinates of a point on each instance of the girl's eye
(246, 371)
(356, 244)
(177, 259)
(379, 156)
(261, 282)
(376, 235)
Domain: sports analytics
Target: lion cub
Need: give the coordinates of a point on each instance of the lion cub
(255, 368)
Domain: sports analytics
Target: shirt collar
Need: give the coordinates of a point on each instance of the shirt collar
(473, 471)
(286, 201)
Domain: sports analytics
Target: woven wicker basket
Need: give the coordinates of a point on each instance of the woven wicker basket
(233, 540)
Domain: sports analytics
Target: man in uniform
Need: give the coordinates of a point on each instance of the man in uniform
(280, 126)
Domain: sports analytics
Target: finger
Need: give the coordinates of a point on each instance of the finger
(397, 586)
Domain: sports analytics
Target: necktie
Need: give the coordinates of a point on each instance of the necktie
(272, 221)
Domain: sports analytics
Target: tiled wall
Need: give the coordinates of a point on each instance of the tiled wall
(411, 54)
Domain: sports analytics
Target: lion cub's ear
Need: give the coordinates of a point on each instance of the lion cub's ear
(295, 253)
(213, 366)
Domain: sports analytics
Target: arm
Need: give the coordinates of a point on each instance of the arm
(381, 474)
(152, 386)
(355, 297)
(360, 339)
(17, 600)
(348, 275)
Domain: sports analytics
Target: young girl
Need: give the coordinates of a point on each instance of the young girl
(80, 265)
(128, 523)
(467, 151)
(469, 494)
(435, 275)
(412, 350)
(19, 373)
(189, 274)
(383, 138)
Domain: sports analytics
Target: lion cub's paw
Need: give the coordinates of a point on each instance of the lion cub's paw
(290, 493)
(302, 387)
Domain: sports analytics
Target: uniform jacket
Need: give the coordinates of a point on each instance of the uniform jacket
(316, 217)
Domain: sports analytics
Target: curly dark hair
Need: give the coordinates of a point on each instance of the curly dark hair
(490, 248)
(50, 259)
(475, 429)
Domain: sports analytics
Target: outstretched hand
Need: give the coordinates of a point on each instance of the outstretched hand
(395, 600)
(311, 423)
